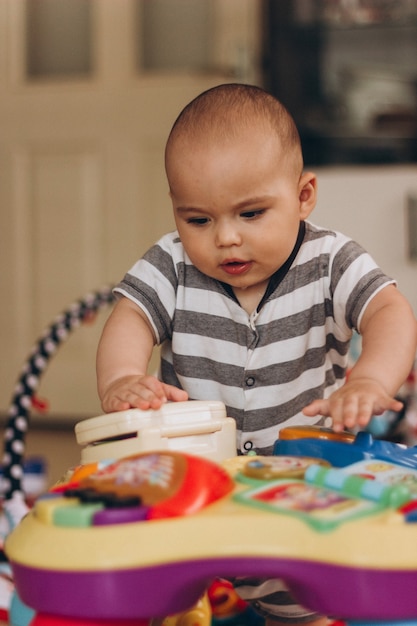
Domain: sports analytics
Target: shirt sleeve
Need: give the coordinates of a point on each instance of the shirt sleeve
(152, 284)
(355, 280)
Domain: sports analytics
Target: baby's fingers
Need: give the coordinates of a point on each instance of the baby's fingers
(174, 394)
(317, 407)
(352, 411)
(138, 392)
(113, 404)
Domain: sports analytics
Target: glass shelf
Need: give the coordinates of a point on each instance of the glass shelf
(350, 84)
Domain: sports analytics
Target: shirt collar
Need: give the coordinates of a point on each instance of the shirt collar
(278, 276)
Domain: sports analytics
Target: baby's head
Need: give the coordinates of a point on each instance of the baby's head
(224, 113)
(235, 172)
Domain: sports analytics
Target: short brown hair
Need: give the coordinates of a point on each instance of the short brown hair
(226, 109)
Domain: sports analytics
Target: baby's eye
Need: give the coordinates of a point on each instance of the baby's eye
(249, 215)
(197, 221)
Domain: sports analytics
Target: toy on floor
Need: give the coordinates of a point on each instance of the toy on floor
(137, 538)
(228, 609)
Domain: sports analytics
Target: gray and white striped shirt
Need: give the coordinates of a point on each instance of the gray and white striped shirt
(267, 366)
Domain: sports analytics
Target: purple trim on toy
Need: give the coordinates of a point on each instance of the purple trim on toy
(339, 591)
(124, 515)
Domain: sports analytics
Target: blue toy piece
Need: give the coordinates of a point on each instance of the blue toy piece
(342, 453)
(19, 614)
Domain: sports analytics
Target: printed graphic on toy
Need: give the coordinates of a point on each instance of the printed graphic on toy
(143, 487)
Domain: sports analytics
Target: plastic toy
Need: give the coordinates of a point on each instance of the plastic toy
(323, 444)
(228, 609)
(200, 428)
(360, 565)
(135, 538)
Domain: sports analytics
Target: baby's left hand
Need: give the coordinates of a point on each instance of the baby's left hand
(354, 404)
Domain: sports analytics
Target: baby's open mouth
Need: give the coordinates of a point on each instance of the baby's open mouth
(236, 266)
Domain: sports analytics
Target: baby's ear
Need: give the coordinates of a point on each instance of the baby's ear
(307, 189)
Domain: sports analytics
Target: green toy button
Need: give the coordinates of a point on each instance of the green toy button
(76, 515)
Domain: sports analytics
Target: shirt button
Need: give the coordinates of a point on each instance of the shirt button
(250, 381)
(248, 445)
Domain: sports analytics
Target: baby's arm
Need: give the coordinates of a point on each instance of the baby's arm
(389, 340)
(123, 356)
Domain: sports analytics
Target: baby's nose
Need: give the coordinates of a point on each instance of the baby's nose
(227, 234)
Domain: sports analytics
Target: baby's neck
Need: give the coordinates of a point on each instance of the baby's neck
(250, 297)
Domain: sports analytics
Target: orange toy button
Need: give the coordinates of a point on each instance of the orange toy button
(272, 467)
(314, 432)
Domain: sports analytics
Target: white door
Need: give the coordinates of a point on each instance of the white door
(84, 115)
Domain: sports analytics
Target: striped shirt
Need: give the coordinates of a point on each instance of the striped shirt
(267, 366)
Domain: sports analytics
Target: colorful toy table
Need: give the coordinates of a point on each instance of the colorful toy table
(142, 537)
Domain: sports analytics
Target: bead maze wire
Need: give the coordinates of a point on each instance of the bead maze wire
(24, 398)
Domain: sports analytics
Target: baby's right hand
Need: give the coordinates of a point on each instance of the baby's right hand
(140, 392)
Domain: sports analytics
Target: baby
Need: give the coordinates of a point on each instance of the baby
(251, 303)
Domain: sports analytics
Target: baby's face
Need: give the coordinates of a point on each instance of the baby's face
(237, 207)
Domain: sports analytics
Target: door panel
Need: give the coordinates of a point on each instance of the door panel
(82, 186)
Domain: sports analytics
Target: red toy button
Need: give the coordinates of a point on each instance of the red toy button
(168, 484)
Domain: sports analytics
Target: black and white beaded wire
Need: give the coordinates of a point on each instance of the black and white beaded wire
(43, 350)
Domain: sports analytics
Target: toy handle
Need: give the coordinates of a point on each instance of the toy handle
(314, 432)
